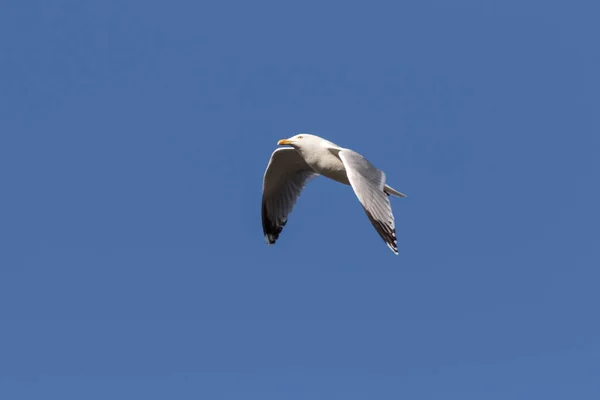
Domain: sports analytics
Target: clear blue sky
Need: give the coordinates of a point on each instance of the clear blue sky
(133, 140)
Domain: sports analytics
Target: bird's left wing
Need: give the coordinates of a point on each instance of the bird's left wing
(285, 177)
(368, 183)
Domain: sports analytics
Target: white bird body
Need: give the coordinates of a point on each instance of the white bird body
(323, 159)
(291, 168)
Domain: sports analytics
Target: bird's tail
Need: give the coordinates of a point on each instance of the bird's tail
(390, 190)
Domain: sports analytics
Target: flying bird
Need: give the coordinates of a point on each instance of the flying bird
(309, 156)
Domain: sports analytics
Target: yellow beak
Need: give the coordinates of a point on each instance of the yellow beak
(284, 141)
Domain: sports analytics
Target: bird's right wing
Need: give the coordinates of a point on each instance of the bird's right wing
(285, 177)
(368, 183)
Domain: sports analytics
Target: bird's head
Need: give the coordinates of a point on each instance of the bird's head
(302, 140)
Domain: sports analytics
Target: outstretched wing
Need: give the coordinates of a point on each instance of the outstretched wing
(368, 183)
(284, 179)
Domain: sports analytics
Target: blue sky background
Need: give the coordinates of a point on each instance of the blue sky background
(133, 140)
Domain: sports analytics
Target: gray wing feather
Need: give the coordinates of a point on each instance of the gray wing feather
(283, 181)
(368, 183)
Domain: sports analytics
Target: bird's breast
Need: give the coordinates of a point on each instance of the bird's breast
(330, 166)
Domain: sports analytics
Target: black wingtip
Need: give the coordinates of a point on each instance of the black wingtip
(387, 233)
(271, 230)
(270, 239)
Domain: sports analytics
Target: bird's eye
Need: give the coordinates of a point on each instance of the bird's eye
(299, 137)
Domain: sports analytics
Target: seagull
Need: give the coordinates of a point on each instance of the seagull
(291, 168)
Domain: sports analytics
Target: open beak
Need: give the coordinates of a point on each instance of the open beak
(284, 141)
